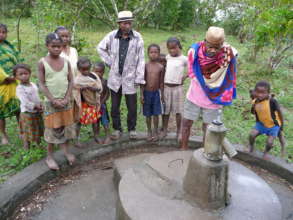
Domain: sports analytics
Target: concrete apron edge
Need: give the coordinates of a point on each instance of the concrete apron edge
(14, 191)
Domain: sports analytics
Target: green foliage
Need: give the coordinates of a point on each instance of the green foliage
(13, 8)
(173, 14)
(269, 24)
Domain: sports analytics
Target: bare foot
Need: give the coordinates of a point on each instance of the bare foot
(107, 140)
(156, 137)
(71, 158)
(163, 134)
(249, 149)
(266, 156)
(78, 144)
(149, 137)
(4, 140)
(26, 146)
(51, 163)
(98, 140)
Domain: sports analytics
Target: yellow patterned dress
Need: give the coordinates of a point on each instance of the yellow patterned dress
(9, 104)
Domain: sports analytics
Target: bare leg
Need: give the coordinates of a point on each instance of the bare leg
(149, 127)
(107, 134)
(253, 134)
(156, 128)
(283, 143)
(78, 126)
(165, 125)
(178, 124)
(269, 146)
(51, 163)
(26, 145)
(3, 132)
(69, 156)
(96, 131)
(204, 131)
(185, 133)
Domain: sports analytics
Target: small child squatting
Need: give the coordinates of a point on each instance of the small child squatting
(152, 92)
(31, 120)
(269, 118)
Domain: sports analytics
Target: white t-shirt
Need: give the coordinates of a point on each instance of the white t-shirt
(175, 69)
(28, 96)
(72, 58)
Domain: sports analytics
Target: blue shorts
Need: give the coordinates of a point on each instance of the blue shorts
(273, 131)
(105, 116)
(152, 103)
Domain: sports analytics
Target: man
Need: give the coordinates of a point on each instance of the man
(122, 50)
(212, 69)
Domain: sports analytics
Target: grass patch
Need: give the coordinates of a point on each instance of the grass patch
(237, 117)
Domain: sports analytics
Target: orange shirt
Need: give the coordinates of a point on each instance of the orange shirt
(266, 112)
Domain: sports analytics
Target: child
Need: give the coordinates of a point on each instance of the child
(31, 121)
(56, 83)
(87, 90)
(68, 52)
(269, 117)
(280, 134)
(162, 60)
(150, 92)
(173, 84)
(99, 69)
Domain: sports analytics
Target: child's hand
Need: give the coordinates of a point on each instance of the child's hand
(141, 99)
(57, 103)
(64, 102)
(39, 108)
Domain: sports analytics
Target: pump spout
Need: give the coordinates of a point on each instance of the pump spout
(228, 148)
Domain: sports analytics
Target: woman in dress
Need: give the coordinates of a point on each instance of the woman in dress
(9, 104)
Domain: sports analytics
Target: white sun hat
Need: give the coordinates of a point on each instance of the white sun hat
(125, 16)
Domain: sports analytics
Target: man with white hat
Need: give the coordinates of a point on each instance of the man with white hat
(212, 69)
(123, 51)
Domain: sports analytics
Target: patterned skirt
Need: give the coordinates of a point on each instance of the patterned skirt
(89, 114)
(31, 126)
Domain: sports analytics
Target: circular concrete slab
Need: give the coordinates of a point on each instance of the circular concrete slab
(252, 198)
(91, 197)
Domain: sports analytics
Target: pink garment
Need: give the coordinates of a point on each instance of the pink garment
(195, 94)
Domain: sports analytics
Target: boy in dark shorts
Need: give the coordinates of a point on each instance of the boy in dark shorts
(269, 117)
(151, 91)
(99, 69)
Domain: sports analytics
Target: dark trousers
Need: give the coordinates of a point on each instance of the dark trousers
(131, 103)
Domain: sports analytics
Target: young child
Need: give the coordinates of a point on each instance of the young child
(162, 60)
(56, 82)
(31, 121)
(269, 117)
(173, 84)
(68, 52)
(280, 134)
(99, 69)
(87, 91)
(150, 92)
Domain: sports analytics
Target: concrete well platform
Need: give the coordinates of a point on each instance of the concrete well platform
(152, 189)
